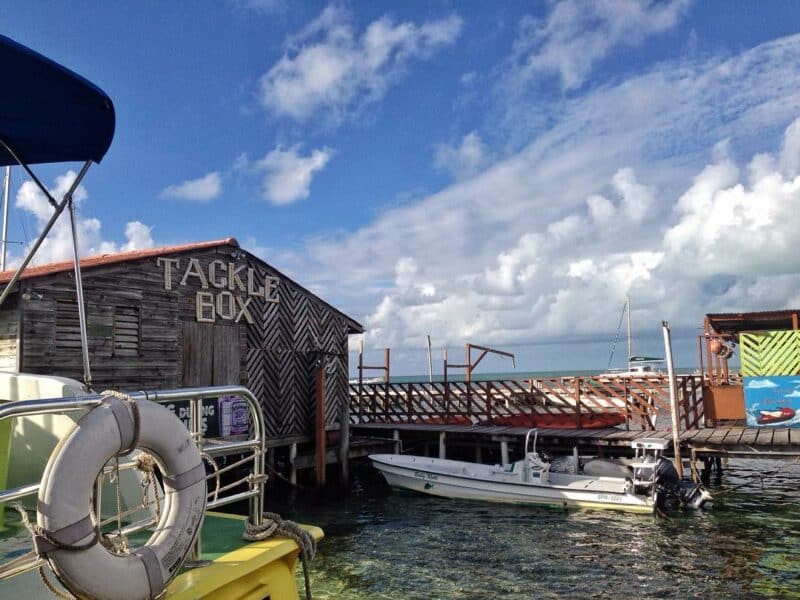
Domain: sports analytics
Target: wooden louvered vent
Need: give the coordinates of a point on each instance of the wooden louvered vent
(126, 331)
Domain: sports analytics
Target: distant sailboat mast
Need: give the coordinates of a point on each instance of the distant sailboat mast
(630, 339)
(626, 310)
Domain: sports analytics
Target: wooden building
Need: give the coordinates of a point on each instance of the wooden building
(199, 314)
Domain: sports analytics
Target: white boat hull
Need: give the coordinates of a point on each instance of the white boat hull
(470, 481)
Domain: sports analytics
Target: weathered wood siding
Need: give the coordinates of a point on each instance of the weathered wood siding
(9, 334)
(143, 336)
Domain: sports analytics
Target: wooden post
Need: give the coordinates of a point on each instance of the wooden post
(360, 370)
(396, 438)
(693, 466)
(504, 452)
(446, 384)
(386, 398)
(578, 402)
(700, 354)
(479, 454)
(344, 442)
(319, 437)
(469, 378)
(442, 445)
(627, 407)
(707, 332)
(271, 466)
(292, 464)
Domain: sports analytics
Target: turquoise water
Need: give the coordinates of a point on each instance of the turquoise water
(384, 544)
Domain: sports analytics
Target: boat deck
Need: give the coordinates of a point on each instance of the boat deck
(719, 440)
(235, 563)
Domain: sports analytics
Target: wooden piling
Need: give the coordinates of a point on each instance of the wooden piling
(319, 438)
(344, 442)
(293, 464)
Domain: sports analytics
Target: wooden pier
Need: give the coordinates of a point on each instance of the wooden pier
(452, 417)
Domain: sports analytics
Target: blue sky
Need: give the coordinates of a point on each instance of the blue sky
(495, 172)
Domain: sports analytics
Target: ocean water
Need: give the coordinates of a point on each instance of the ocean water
(384, 544)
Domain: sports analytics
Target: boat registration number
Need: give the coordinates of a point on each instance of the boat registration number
(609, 498)
(424, 475)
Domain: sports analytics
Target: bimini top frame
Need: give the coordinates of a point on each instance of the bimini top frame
(49, 114)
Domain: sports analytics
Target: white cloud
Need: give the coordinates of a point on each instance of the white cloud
(576, 34)
(58, 244)
(462, 160)
(790, 154)
(761, 384)
(139, 236)
(286, 174)
(625, 193)
(741, 228)
(329, 67)
(202, 189)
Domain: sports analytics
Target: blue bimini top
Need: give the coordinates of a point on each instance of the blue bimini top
(48, 113)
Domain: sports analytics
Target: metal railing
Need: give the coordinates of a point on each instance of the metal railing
(254, 445)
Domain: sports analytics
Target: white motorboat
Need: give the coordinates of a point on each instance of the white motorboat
(637, 486)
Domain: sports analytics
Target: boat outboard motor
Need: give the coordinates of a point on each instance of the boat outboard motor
(670, 486)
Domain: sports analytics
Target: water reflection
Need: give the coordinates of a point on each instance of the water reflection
(394, 545)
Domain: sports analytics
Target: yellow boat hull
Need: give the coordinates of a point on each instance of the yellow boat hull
(255, 571)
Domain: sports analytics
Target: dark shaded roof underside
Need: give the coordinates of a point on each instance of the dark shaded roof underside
(732, 323)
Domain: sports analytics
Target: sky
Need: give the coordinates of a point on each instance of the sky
(501, 173)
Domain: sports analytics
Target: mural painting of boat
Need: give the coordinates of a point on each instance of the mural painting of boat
(768, 417)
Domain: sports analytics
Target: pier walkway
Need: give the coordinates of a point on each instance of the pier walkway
(777, 442)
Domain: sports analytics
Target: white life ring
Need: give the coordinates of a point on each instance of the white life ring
(65, 502)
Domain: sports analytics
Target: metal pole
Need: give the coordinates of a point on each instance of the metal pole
(87, 373)
(59, 209)
(673, 399)
(430, 361)
(5, 219)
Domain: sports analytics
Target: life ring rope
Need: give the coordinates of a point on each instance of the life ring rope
(129, 423)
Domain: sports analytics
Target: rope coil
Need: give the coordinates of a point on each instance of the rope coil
(274, 525)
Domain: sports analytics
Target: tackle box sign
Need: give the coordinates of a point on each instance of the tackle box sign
(772, 401)
(221, 417)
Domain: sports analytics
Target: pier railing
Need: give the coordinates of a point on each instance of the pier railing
(574, 402)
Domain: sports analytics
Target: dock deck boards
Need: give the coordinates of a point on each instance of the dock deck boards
(719, 439)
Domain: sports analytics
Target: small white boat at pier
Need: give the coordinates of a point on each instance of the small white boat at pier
(602, 484)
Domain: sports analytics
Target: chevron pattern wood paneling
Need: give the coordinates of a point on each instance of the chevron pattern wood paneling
(283, 347)
(770, 353)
